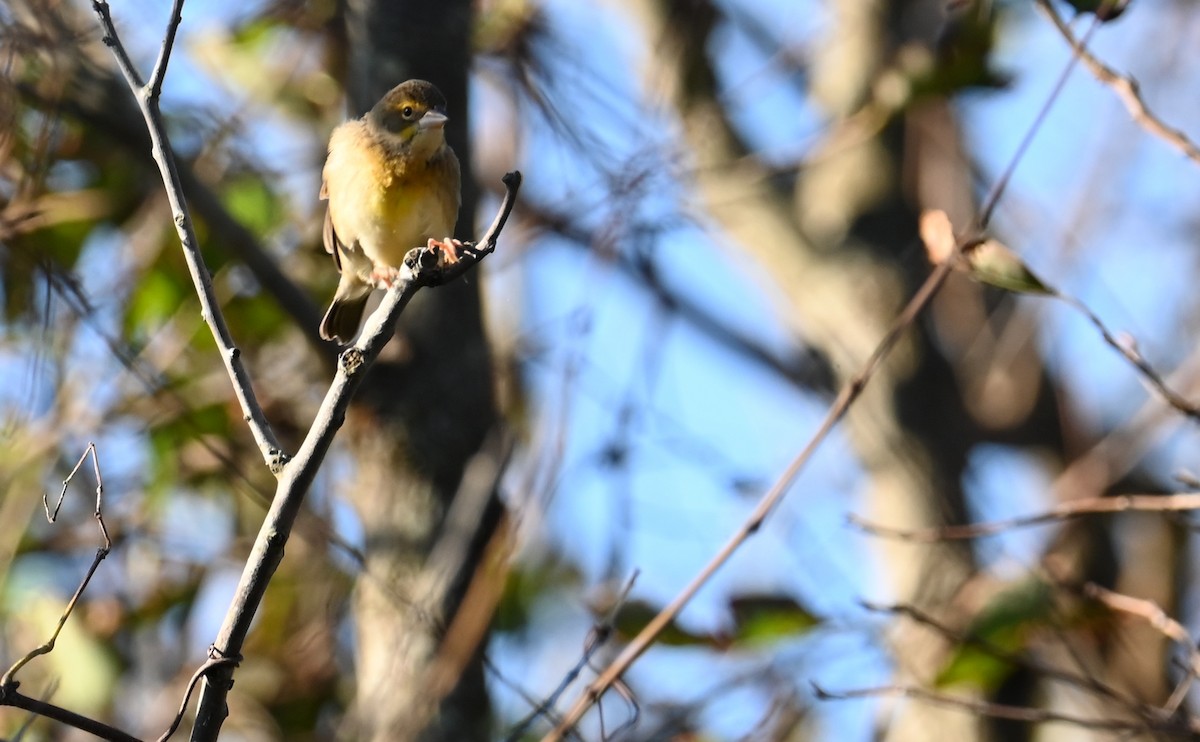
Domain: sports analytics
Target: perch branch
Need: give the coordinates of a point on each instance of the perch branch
(420, 269)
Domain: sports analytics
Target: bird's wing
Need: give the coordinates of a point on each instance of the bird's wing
(333, 244)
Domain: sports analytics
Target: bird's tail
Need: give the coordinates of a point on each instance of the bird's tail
(345, 313)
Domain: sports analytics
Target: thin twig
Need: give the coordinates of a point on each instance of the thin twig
(154, 86)
(1001, 184)
(1131, 354)
(52, 515)
(9, 696)
(6, 680)
(849, 393)
(846, 397)
(210, 309)
(1086, 683)
(1014, 713)
(1180, 693)
(1066, 511)
(209, 664)
(1125, 87)
(597, 637)
(1149, 611)
(420, 269)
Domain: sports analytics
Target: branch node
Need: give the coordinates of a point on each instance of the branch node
(279, 460)
(351, 360)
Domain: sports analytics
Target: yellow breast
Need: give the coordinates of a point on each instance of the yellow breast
(386, 205)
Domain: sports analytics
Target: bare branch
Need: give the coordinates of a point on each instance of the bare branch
(1149, 611)
(8, 685)
(294, 477)
(596, 639)
(147, 100)
(1125, 87)
(154, 86)
(1066, 511)
(6, 680)
(1086, 683)
(1130, 352)
(9, 696)
(846, 397)
(1014, 713)
(112, 41)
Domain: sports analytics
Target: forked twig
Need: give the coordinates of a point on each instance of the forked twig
(294, 475)
(9, 695)
(6, 680)
(147, 96)
(597, 637)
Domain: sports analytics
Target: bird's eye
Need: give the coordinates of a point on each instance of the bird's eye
(407, 111)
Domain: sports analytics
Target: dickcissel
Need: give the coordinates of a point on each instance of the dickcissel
(392, 184)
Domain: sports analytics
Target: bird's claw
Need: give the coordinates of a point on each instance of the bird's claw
(449, 247)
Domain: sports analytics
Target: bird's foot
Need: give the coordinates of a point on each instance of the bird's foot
(384, 276)
(449, 247)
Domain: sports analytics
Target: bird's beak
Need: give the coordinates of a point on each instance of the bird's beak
(432, 120)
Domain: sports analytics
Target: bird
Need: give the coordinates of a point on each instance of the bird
(391, 183)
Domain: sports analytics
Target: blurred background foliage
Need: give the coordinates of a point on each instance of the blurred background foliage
(718, 224)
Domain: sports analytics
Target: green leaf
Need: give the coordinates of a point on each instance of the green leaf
(254, 204)
(157, 296)
(994, 264)
(1005, 626)
(255, 318)
(178, 457)
(525, 586)
(975, 667)
(635, 615)
(256, 34)
(766, 619)
(759, 620)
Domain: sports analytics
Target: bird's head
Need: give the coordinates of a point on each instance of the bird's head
(411, 118)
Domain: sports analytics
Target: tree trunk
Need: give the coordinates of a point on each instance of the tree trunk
(424, 412)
